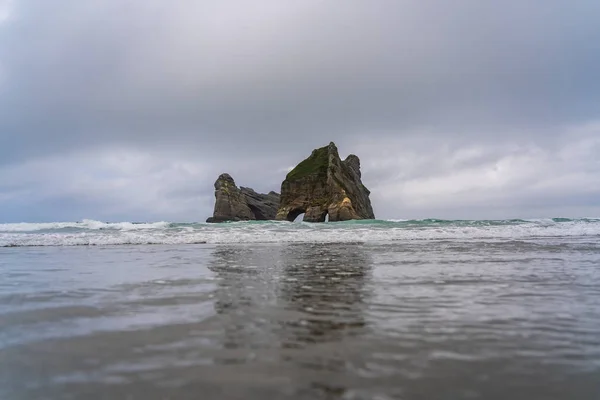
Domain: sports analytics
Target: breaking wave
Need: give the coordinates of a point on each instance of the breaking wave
(84, 224)
(97, 233)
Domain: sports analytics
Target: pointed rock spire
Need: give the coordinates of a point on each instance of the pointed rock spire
(324, 185)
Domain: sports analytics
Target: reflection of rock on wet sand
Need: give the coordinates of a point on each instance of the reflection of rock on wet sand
(246, 290)
(287, 313)
(289, 296)
(327, 283)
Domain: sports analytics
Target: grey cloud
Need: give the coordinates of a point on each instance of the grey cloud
(148, 72)
(510, 179)
(416, 178)
(253, 88)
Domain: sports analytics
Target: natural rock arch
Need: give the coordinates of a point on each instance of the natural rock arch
(324, 185)
(293, 214)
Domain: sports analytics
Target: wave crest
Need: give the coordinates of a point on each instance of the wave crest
(91, 232)
(84, 224)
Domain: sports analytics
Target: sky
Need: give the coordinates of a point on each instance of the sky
(128, 110)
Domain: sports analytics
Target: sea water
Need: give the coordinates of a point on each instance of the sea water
(426, 309)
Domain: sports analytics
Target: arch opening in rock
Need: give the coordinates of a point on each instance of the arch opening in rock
(299, 218)
(292, 215)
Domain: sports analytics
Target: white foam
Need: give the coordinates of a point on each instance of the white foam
(84, 224)
(101, 234)
(30, 227)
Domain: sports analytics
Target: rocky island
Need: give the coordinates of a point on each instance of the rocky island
(321, 186)
(241, 204)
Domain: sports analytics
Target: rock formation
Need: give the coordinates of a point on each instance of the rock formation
(263, 206)
(324, 185)
(235, 204)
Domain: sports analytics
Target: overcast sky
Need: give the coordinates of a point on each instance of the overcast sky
(129, 109)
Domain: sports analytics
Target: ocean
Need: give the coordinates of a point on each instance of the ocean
(420, 309)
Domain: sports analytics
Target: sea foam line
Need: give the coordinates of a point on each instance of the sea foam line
(283, 232)
(84, 224)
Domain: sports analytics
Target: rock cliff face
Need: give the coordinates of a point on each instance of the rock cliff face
(235, 204)
(324, 185)
(263, 206)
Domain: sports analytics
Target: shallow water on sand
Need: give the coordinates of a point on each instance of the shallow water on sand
(414, 319)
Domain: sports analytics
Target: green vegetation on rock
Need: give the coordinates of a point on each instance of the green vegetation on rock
(315, 164)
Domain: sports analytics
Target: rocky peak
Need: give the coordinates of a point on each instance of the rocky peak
(322, 185)
(235, 204)
(353, 162)
(224, 181)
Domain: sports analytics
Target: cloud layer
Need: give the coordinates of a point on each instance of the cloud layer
(129, 110)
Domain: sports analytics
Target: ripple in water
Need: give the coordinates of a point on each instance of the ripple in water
(436, 319)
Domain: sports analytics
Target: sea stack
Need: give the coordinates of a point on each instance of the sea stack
(323, 185)
(241, 204)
